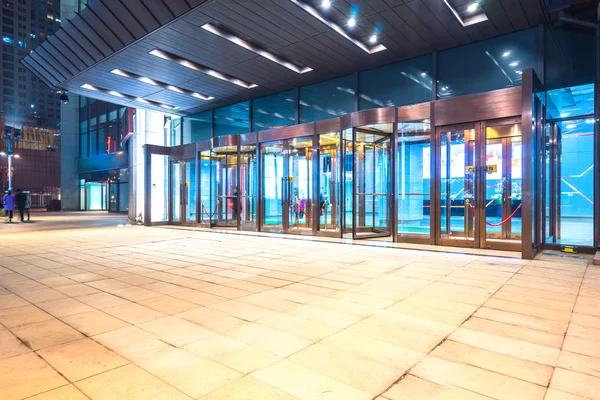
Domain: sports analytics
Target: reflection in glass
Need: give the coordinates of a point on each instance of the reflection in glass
(159, 192)
(300, 184)
(414, 177)
(329, 182)
(274, 111)
(224, 170)
(176, 200)
(207, 206)
(248, 186)
(273, 182)
(190, 188)
(327, 99)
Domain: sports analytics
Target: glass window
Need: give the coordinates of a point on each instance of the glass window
(123, 197)
(175, 132)
(408, 82)
(570, 102)
(83, 146)
(197, 127)
(93, 142)
(327, 99)
(232, 119)
(274, 111)
(488, 65)
(568, 55)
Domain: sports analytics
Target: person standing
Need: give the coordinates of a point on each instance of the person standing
(9, 204)
(20, 198)
(27, 204)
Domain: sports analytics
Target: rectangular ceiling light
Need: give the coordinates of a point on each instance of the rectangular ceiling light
(153, 82)
(201, 68)
(309, 9)
(255, 49)
(468, 14)
(126, 96)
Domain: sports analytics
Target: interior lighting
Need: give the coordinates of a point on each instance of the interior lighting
(88, 87)
(338, 29)
(2, 153)
(16, 156)
(201, 68)
(126, 96)
(506, 53)
(325, 4)
(164, 85)
(423, 73)
(514, 63)
(351, 22)
(472, 7)
(373, 39)
(255, 49)
(112, 92)
(519, 72)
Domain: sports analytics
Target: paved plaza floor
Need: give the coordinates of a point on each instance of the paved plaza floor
(128, 312)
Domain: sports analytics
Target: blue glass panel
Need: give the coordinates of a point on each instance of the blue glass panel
(197, 127)
(407, 82)
(569, 57)
(488, 65)
(327, 99)
(232, 119)
(274, 111)
(570, 102)
(175, 138)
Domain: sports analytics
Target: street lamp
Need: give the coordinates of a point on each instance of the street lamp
(11, 135)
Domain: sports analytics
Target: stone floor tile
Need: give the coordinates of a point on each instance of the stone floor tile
(211, 319)
(582, 346)
(94, 322)
(349, 368)
(523, 298)
(305, 383)
(163, 287)
(64, 307)
(10, 345)
(77, 289)
(268, 302)
(232, 353)
(243, 310)
(535, 311)
(508, 346)
(128, 382)
(198, 297)
(477, 380)
(575, 383)
(503, 364)
(26, 375)
(525, 321)
(108, 285)
(11, 301)
(167, 304)
(192, 375)
(300, 327)
(81, 359)
(176, 331)
(225, 291)
(514, 332)
(103, 300)
(412, 387)
(318, 314)
(133, 343)
(362, 299)
(248, 388)
(68, 392)
(17, 316)
(292, 295)
(134, 313)
(274, 341)
(41, 335)
(579, 362)
(582, 319)
(42, 295)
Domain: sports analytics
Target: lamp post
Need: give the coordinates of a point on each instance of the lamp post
(10, 135)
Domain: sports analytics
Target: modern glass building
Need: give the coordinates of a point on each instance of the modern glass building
(441, 124)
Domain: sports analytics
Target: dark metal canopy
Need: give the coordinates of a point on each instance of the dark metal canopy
(196, 66)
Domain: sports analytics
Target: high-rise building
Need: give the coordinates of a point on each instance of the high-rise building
(27, 102)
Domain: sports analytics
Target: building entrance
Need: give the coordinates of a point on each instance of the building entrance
(183, 192)
(287, 185)
(480, 192)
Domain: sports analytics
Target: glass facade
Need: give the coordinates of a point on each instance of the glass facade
(274, 111)
(328, 99)
(232, 119)
(102, 127)
(197, 127)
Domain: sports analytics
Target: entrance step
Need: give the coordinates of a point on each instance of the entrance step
(597, 258)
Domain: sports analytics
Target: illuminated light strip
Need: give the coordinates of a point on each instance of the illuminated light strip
(153, 82)
(126, 96)
(338, 28)
(249, 46)
(201, 68)
(469, 21)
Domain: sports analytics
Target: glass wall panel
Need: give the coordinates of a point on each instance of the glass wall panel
(113, 196)
(83, 145)
(95, 194)
(175, 133)
(407, 82)
(327, 99)
(487, 65)
(207, 207)
(414, 177)
(176, 195)
(190, 187)
(248, 186)
(232, 119)
(160, 188)
(300, 184)
(93, 147)
(274, 111)
(123, 197)
(570, 102)
(329, 182)
(197, 127)
(569, 56)
(273, 183)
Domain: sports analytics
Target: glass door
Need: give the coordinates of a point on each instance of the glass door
(207, 209)
(329, 208)
(183, 192)
(225, 182)
(371, 182)
(274, 185)
(298, 196)
(457, 167)
(176, 192)
(248, 187)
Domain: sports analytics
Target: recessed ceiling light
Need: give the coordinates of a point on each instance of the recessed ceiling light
(223, 32)
(112, 92)
(519, 72)
(337, 28)
(153, 82)
(126, 96)
(472, 7)
(89, 87)
(423, 73)
(325, 4)
(351, 22)
(514, 63)
(506, 53)
(373, 39)
(201, 68)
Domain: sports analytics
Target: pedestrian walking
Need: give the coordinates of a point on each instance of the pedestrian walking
(20, 199)
(9, 204)
(28, 205)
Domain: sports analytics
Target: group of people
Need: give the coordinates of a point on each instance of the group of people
(21, 200)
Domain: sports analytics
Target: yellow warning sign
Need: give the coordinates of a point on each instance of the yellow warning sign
(187, 184)
(491, 168)
(470, 169)
(291, 179)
